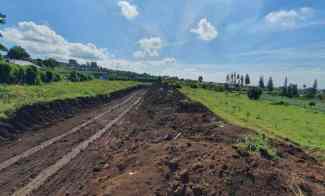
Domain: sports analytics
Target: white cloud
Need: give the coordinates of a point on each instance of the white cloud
(205, 30)
(42, 41)
(287, 19)
(139, 54)
(169, 61)
(128, 10)
(149, 47)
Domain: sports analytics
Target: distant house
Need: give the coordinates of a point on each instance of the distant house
(22, 62)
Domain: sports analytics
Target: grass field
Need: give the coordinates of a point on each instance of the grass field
(303, 126)
(15, 96)
(301, 102)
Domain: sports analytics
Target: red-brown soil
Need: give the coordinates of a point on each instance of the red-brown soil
(168, 145)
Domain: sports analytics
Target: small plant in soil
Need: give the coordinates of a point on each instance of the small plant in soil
(258, 144)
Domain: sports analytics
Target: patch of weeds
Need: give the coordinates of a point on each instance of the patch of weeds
(258, 144)
(281, 103)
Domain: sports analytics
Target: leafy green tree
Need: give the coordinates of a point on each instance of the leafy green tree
(292, 91)
(254, 93)
(32, 76)
(284, 89)
(315, 85)
(227, 78)
(17, 75)
(51, 63)
(261, 82)
(74, 76)
(3, 48)
(18, 52)
(242, 80)
(5, 73)
(48, 76)
(312, 92)
(2, 21)
(247, 80)
(2, 18)
(270, 85)
(200, 79)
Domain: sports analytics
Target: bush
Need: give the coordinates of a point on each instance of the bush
(47, 77)
(78, 77)
(194, 86)
(254, 93)
(5, 73)
(312, 104)
(32, 76)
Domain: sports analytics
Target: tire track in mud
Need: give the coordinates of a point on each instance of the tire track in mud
(47, 143)
(43, 176)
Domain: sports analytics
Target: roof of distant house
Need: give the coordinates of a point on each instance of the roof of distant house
(22, 62)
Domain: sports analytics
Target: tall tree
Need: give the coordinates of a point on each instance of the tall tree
(292, 91)
(270, 85)
(2, 18)
(247, 80)
(18, 52)
(261, 82)
(284, 90)
(200, 79)
(315, 85)
(2, 21)
(232, 78)
(242, 80)
(227, 78)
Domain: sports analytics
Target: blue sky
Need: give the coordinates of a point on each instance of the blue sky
(187, 38)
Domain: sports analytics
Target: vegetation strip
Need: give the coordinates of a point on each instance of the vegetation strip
(45, 174)
(300, 125)
(14, 97)
(47, 143)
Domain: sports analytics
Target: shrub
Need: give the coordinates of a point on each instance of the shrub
(194, 86)
(57, 77)
(5, 73)
(254, 93)
(47, 77)
(312, 104)
(258, 144)
(77, 77)
(32, 76)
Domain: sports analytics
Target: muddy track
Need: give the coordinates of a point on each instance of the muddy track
(165, 145)
(21, 169)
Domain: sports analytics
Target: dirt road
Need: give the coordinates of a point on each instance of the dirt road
(28, 162)
(151, 143)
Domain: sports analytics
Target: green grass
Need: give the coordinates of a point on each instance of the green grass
(256, 144)
(301, 102)
(13, 97)
(300, 125)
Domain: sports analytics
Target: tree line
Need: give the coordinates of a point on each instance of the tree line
(236, 81)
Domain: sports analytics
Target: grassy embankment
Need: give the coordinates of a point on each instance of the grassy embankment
(303, 126)
(13, 97)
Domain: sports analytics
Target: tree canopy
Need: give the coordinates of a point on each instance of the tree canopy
(19, 53)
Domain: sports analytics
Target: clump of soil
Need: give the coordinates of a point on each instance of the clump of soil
(39, 115)
(172, 146)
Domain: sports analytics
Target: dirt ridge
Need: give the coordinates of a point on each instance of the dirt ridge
(38, 115)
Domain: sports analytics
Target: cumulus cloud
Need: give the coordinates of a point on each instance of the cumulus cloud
(289, 18)
(128, 10)
(205, 30)
(41, 40)
(169, 61)
(149, 47)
